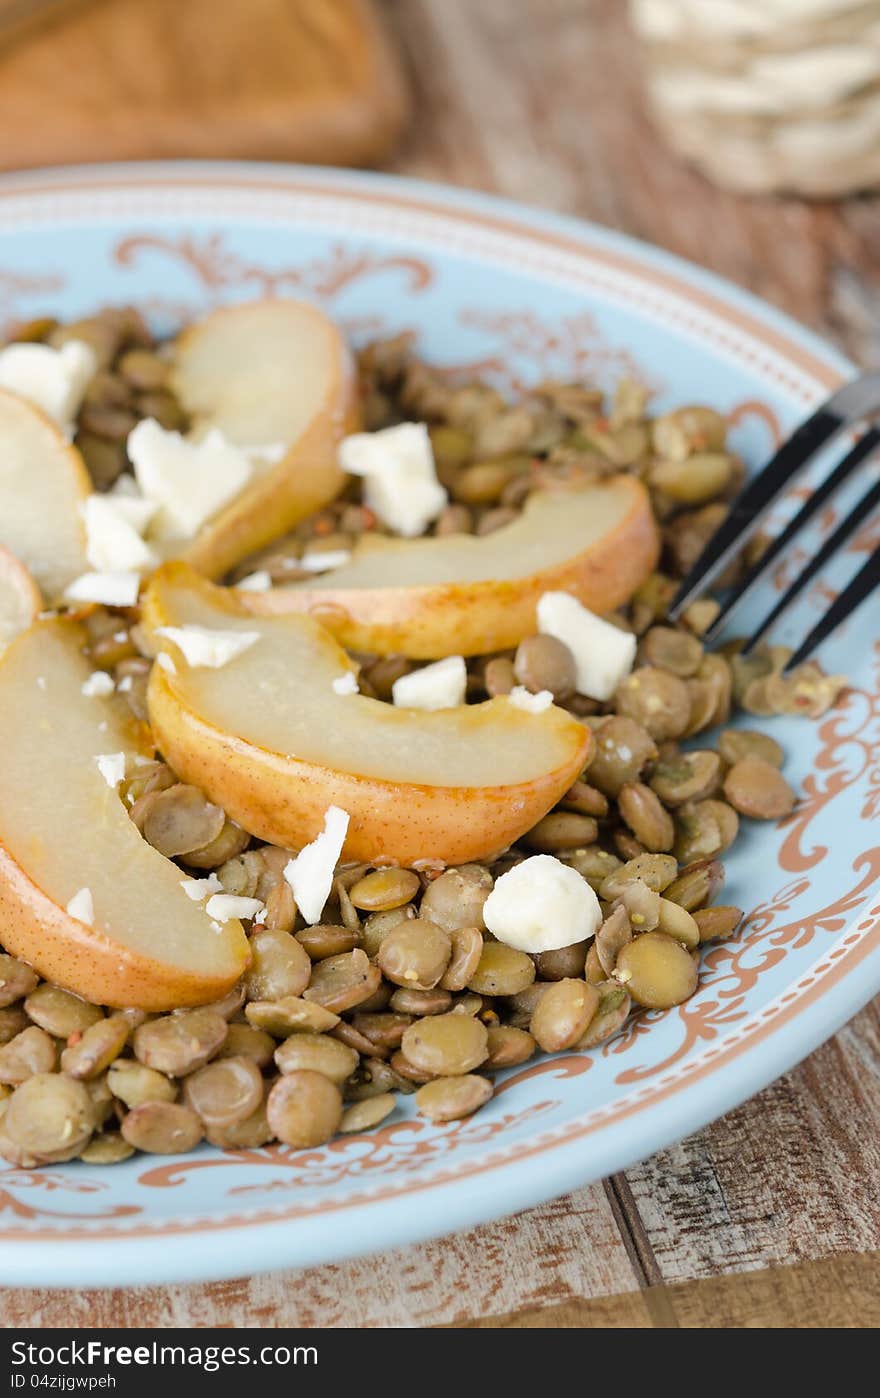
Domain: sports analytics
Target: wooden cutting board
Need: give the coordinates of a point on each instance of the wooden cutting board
(86, 80)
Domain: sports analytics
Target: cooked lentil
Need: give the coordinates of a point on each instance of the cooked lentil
(450, 1099)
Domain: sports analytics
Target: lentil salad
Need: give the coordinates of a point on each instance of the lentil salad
(401, 988)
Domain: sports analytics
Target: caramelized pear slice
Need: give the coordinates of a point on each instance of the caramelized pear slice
(43, 482)
(269, 739)
(465, 595)
(20, 599)
(63, 829)
(267, 373)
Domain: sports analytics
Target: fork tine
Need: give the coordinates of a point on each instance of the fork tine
(847, 527)
(862, 449)
(861, 586)
(848, 406)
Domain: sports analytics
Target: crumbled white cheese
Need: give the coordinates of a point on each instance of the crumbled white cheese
(346, 684)
(125, 684)
(81, 906)
(542, 904)
(401, 485)
(111, 589)
(54, 379)
(224, 906)
(200, 646)
(441, 685)
(111, 765)
(112, 542)
(126, 498)
(188, 481)
(199, 889)
(318, 562)
(310, 874)
(260, 917)
(98, 682)
(260, 581)
(523, 698)
(164, 661)
(603, 653)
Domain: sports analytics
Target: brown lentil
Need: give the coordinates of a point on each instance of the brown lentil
(180, 820)
(96, 1048)
(107, 1148)
(656, 971)
(49, 1112)
(420, 1002)
(502, 970)
(736, 743)
(16, 980)
(280, 966)
(304, 1109)
(135, 1084)
(696, 884)
(544, 663)
(622, 751)
(655, 870)
(12, 1021)
(59, 1012)
(338, 983)
(30, 1052)
(719, 921)
(224, 1092)
(450, 1099)
(280, 909)
(445, 1045)
(363, 1116)
(249, 1134)
(613, 935)
(415, 954)
(499, 676)
(162, 1128)
(561, 830)
(385, 889)
(655, 699)
(586, 800)
(756, 788)
(319, 1053)
(651, 824)
(689, 776)
(611, 1014)
(563, 1014)
(561, 963)
(677, 922)
(507, 1046)
(456, 898)
(321, 941)
(289, 1015)
(246, 1041)
(231, 841)
(179, 1043)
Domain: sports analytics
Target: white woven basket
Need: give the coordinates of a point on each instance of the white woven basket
(767, 95)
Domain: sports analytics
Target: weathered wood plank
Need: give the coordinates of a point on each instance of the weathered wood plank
(838, 1293)
(570, 1248)
(793, 1174)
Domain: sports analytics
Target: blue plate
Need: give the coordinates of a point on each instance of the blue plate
(515, 295)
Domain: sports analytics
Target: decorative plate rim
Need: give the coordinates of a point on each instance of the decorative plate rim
(843, 978)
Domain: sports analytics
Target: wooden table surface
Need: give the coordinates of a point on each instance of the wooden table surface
(539, 100)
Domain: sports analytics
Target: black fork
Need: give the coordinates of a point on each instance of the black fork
(855, 404)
